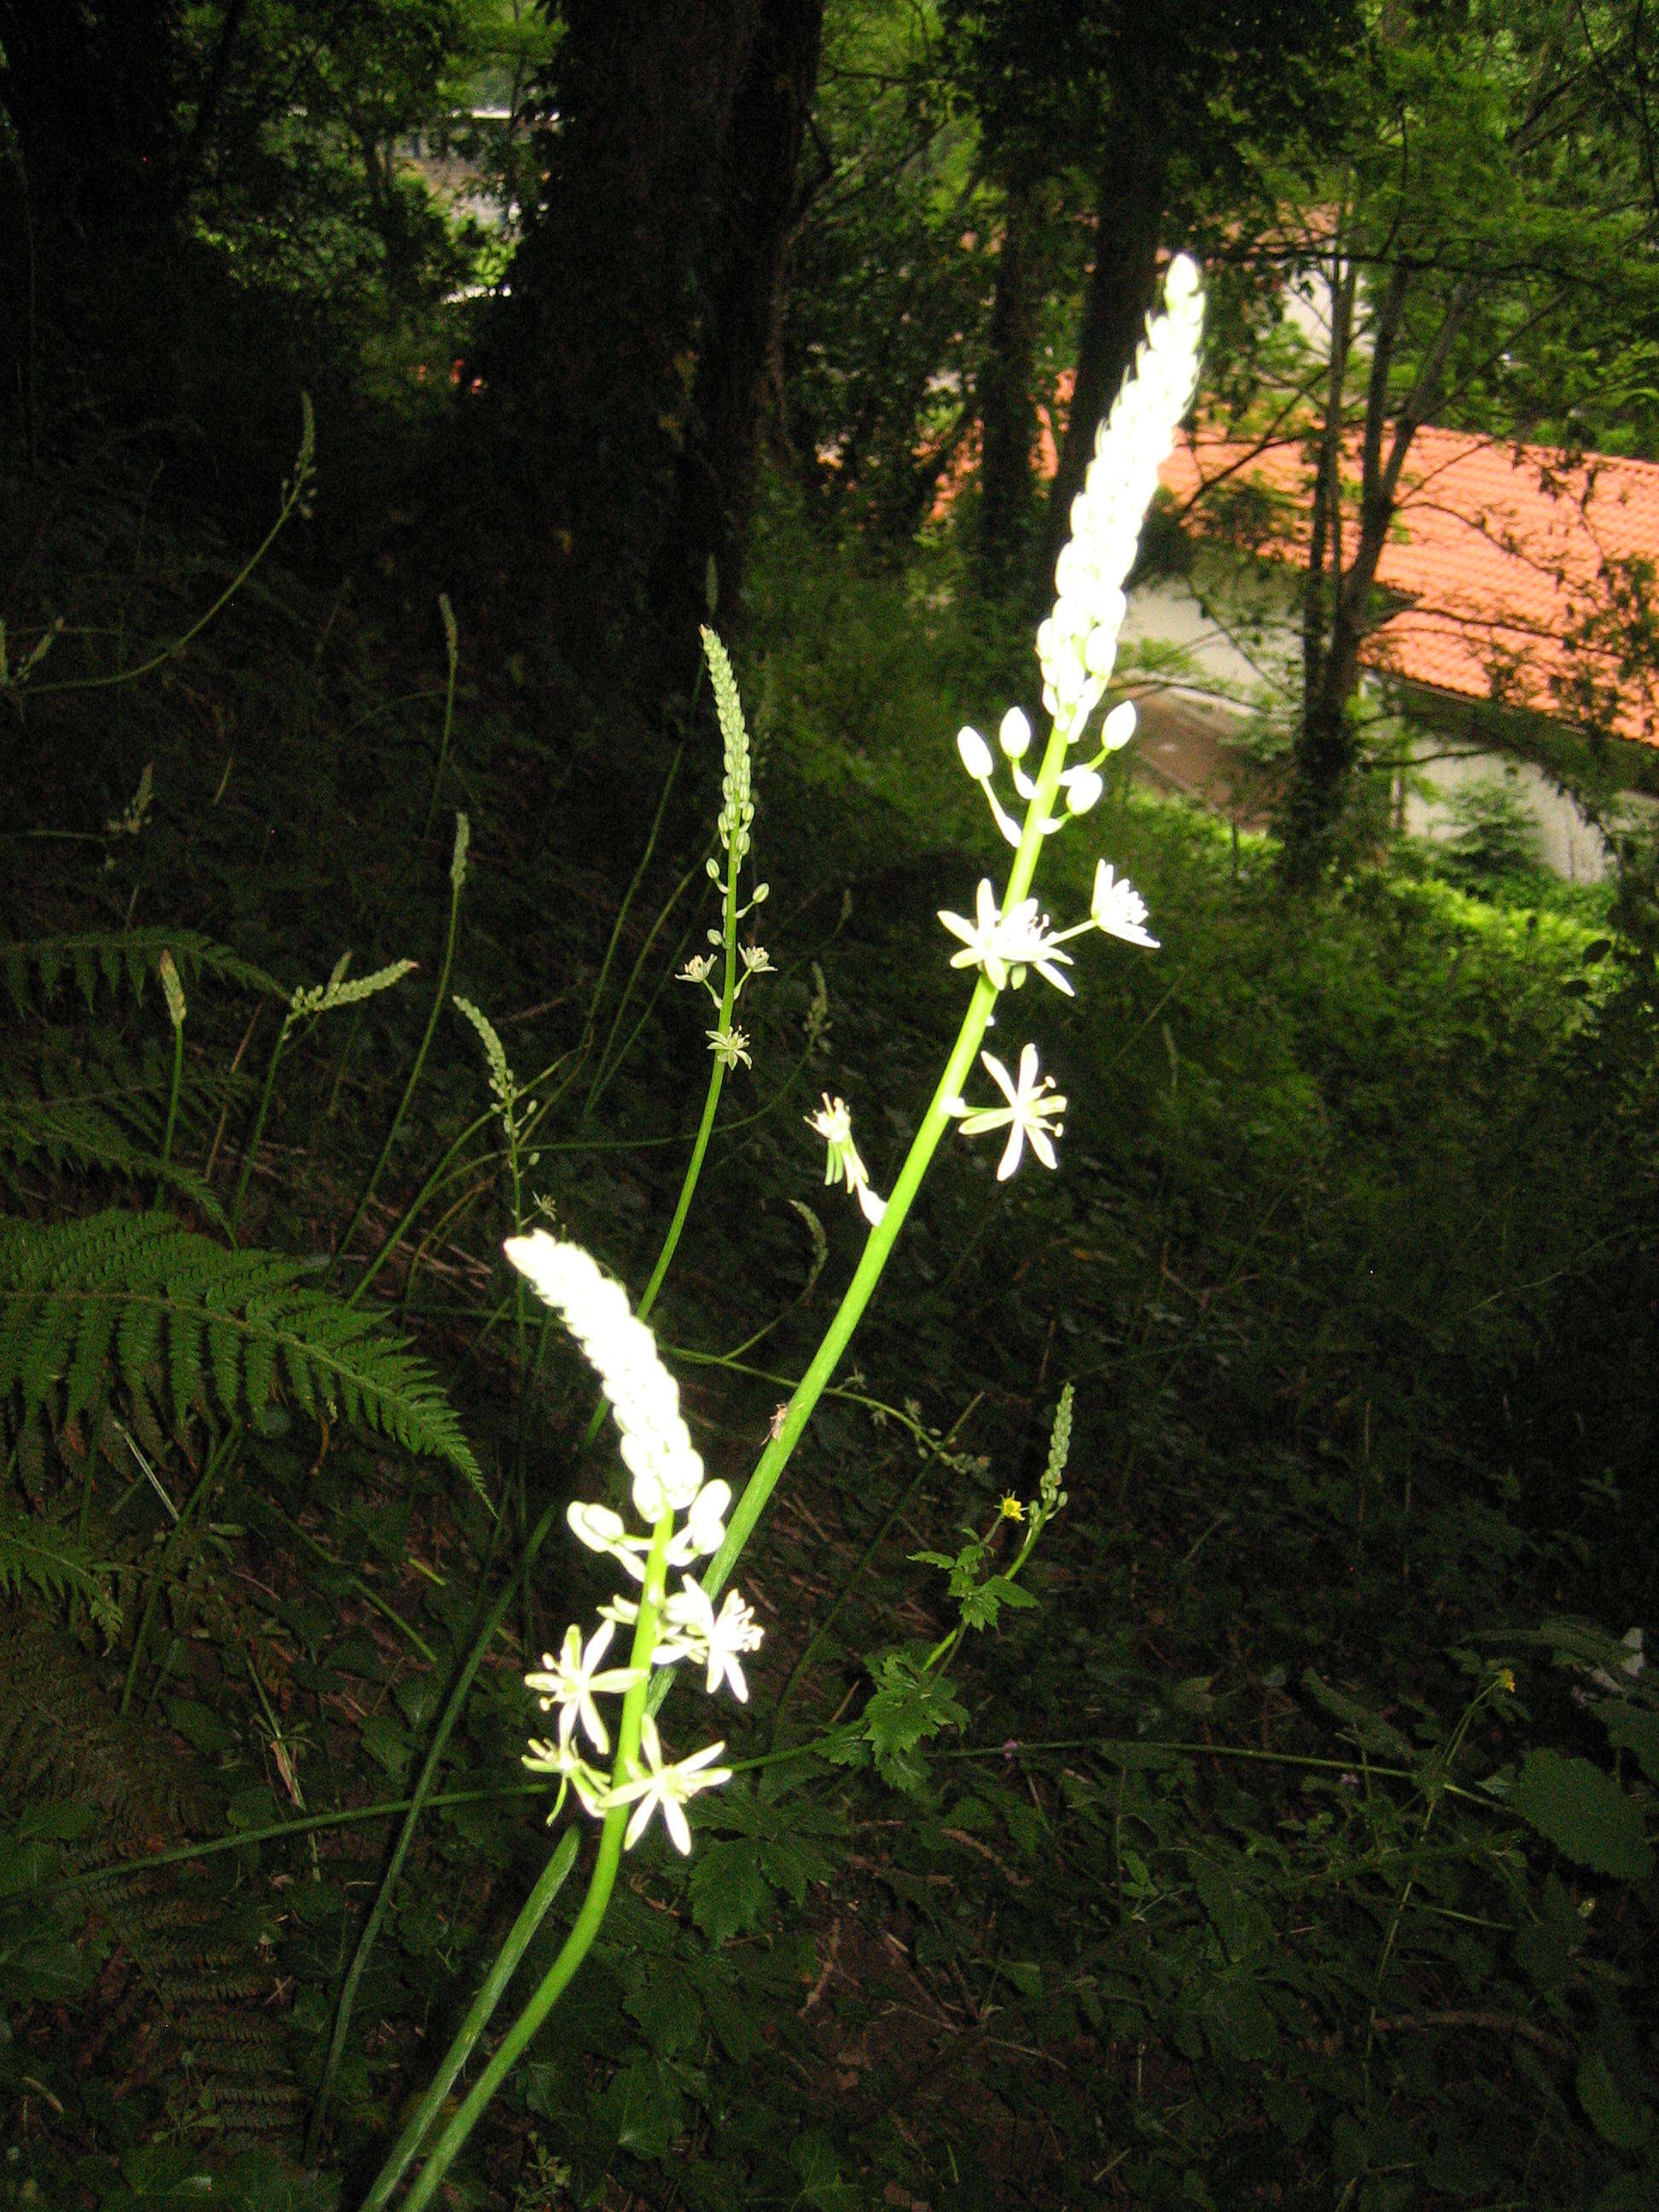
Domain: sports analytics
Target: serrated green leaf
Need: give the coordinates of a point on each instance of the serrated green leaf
(729, 1895)
(1614, 2117)
(1584, 1814)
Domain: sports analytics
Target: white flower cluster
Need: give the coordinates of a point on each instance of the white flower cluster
(1077, 646)
(668, 1480)
(656, 1444)
(1077, 649)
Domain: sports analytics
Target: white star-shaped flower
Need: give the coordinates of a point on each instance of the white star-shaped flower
(1005, 945)
(982, 937)
(669, 1787)
(834, 1123)
(1033, 1103)
(697, 968)
(729, 1047)
(1119, 909)
(714, 1640)
(570, 1680)
(563, 1759)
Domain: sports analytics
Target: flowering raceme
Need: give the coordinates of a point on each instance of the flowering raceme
(668, 1481)
(1077, 650)
(1077, 646)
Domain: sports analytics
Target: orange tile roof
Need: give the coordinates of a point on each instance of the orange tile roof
(1499, 556)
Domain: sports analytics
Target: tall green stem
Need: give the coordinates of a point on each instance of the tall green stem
(712, 1099)
(760, 1483)
(281, 1046)
(934, 1123)
(586, 1926)
(457, 878)
(553, 1878)
(452, 645)
(172, 1109)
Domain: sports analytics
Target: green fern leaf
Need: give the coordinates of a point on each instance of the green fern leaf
(130, 1289)
(46, 1558)
(38, 964)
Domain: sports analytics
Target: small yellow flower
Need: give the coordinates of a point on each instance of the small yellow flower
(1506, 1680)
(1012, 1507)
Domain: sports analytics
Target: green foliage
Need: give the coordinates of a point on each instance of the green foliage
(183, 1326)
(34, 970)
(50, 1560)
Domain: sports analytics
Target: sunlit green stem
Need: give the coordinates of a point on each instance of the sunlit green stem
(586, 1926)
(554, 1876)
(934, 1123)
(861, 1566)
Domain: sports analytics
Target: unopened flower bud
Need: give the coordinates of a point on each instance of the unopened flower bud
(976, 754)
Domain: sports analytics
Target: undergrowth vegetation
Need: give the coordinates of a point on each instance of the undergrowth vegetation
(1295, 1847)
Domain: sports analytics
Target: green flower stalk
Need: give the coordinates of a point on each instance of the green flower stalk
(173, 991)
(1077, 648)
(309, 1002)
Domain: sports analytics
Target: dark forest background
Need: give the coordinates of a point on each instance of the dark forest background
(389, 389)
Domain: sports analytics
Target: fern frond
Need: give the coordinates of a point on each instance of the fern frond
(61, 1743)
(140, 1293)
(48, 1559)
(113, 958)
(100, 1131)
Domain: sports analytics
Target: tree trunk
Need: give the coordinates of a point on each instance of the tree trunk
(736, 329)
(1008, 406)
(1338, 610)
(1129, 214)
(595, 357)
